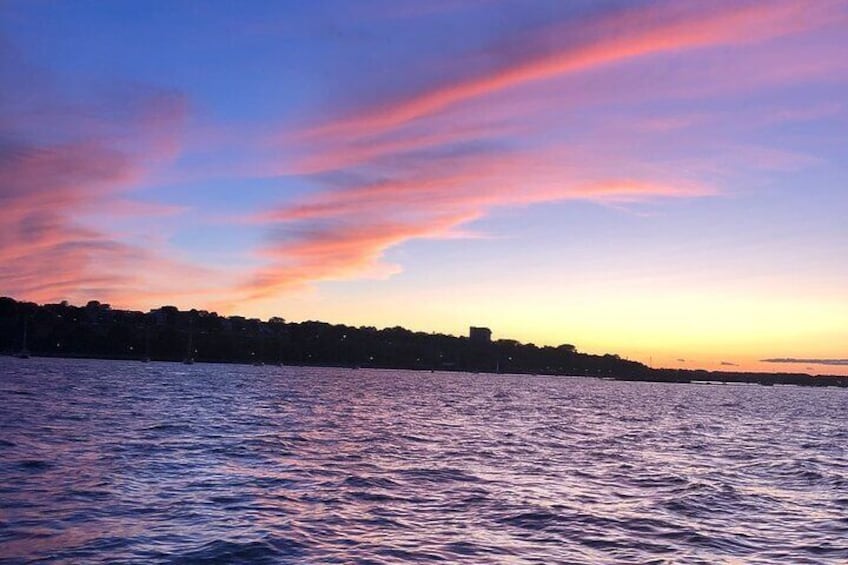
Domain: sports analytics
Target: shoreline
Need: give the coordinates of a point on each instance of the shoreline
(699, 377)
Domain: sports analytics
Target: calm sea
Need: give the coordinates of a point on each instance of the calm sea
(127, 462)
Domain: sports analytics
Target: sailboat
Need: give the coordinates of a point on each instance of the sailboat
(189, 358)
(146, 358)
(24, 352)
(280, 352)
(257, 360)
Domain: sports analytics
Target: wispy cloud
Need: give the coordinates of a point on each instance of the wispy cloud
(62, 159)
(522, 121)
(344, 232)
(835, 362)
(426, 164)
(579, 46)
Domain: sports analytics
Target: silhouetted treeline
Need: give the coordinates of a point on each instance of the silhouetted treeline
(168, 334)
(96, 330)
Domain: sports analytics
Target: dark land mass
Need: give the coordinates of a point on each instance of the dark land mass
(168, 334)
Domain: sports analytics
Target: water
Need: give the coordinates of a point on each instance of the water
(126, 462)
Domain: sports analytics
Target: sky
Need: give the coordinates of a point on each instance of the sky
(667, 181)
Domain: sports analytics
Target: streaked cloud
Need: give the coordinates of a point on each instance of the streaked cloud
(498, 135)
(620, 36)
(63, 160)
(835, 362)
(343, 232)
(316, 145)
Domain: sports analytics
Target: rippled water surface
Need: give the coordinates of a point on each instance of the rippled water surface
(127, 462)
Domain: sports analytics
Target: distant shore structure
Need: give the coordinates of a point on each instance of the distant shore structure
(96, 331)
(479, 335)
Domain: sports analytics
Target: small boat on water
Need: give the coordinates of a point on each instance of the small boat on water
(146, 358)
(189, 357)
(24, 352)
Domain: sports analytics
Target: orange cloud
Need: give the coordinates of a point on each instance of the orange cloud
(340, 250)
(344, 233)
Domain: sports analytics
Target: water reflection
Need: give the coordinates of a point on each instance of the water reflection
(115, 462)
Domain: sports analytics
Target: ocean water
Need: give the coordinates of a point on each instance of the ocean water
(121, 462)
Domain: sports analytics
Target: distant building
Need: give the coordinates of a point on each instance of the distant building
(165, 315)
(479, 335)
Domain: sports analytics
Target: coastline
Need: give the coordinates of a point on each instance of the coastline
(700, 377)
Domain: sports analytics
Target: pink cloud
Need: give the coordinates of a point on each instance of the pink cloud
(335, 154)
(434, 161)
(623, 36)
(479, 182)
(421, 166)
(344, 233)
(66, 163)
(340, 250)
(47, 254)
(512, 114)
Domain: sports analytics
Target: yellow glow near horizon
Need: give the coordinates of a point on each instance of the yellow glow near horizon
(700, 325)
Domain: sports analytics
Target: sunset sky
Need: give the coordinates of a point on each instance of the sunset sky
(663, 180)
